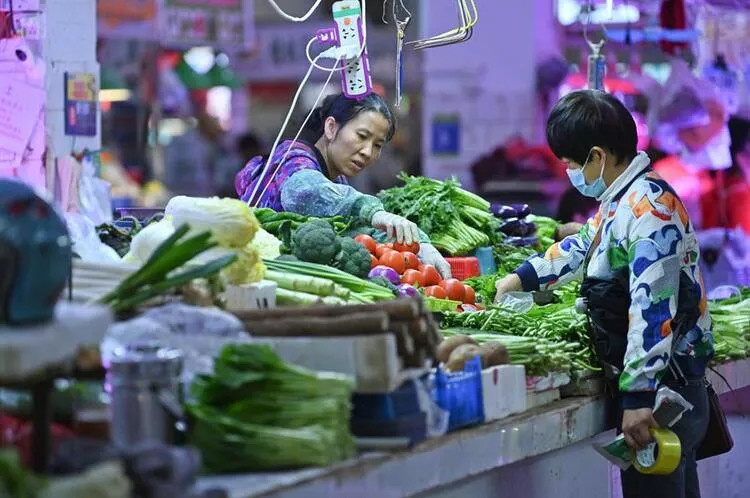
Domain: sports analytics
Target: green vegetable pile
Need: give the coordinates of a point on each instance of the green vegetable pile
(305, 283)
(15, 480)
(545, 231)
(457, 221)
(557, 335)
(257, 412)
(731, 327)
(283, 225)
(156, 276)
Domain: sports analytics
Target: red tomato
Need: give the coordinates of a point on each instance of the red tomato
(411, 261)
(413, 247)
(393, 260)
(469, 295)
(430, 275)
(412, 277)
(366, 241)
(373, 261)
(454, 288)
(435, 291)
(381, 249)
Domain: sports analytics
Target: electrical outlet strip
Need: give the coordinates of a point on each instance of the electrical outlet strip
(355, 77)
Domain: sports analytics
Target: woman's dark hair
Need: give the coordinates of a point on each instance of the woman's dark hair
(343, 110)
(588, 118)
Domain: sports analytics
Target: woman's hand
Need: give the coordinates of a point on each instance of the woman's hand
(396, 227)
(635, 426)
(431, 256)
(509, 283)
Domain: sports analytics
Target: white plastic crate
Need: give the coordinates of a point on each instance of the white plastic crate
(258, 296)
(503, 391)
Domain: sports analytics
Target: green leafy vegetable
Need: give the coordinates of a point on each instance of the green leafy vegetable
(457, 221)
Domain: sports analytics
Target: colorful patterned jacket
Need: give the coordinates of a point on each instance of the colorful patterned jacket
(300, 185)
(647, 229)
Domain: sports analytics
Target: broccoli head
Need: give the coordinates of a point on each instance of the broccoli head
(353, 258)
(316, 242)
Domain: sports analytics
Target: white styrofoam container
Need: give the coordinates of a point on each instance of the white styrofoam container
(503, 391)
(534, 398)
(372, 360)
(258, 296)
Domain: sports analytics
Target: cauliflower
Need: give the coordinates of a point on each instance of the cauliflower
(268, 246)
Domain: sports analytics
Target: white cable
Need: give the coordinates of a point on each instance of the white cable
(292, 18)
(281, 132)
(294, 140)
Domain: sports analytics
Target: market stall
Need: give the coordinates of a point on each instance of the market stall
(310, 340)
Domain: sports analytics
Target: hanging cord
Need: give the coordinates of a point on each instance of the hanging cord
(292, 18)
(595, 47)
(294, 140)
(252, 201)
(468, 18)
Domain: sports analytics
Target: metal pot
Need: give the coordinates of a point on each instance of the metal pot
(144, 380)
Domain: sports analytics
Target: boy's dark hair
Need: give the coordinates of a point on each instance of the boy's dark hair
(343, 110)
(588, 118)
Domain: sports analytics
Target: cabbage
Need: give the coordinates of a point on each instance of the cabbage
(231, 221)
(147, 240)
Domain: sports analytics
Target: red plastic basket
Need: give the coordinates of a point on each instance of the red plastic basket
(463, 268)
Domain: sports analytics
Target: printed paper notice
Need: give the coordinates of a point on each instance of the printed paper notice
(20, 104)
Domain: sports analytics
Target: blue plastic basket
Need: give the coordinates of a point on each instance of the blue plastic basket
(460, 394)
(486, 259)
(387, 406)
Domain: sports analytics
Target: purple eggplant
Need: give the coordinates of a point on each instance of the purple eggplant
(522, 210)
(382, 271)
(529, 241)
(503, 211)
(529, 228)
(406, 290)
(513, 226)
(514, 241)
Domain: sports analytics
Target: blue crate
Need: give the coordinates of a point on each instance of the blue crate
(460, 394)
(388, 406)
(413, 427)
(486, 259)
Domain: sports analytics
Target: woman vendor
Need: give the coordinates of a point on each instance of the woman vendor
(343, 137)
(638, 258)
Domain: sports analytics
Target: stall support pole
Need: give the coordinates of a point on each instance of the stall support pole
(41, 445)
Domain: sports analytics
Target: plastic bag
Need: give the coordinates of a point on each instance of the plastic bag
(199, 332)
(230, 220)
(519, 302)
(86, 243)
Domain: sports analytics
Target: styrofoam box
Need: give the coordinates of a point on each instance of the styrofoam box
(256, 296)
(503, 391)
(372, 360)
(534, 399)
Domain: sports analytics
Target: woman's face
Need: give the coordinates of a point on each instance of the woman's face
(356, 145)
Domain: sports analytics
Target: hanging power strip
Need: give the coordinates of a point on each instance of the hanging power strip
(355, 77)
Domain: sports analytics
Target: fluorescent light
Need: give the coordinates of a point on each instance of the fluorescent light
(114, 95)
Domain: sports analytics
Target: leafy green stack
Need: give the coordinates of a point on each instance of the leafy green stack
(457, 221)
(731, 327)
(257, 412)
(546, 338)
(303, 283)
